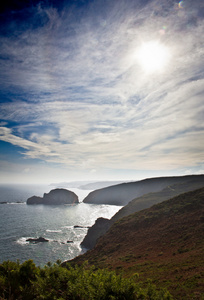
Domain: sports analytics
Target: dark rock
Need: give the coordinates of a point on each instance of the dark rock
(78, 226)
(55, 197)
(35, 200)
(70, 242)
(98, 229)
(3, 202)
(37, 240)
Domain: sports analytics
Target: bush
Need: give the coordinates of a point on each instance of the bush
(26, 281)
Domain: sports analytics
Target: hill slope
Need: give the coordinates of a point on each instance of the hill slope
(102, 225)
(121, 194)
(164, 242)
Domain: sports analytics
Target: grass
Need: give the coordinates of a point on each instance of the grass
(164, 243)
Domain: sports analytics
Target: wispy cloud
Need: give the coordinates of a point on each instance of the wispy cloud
(73, 92)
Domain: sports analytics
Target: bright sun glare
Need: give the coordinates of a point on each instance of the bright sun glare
(153, 56)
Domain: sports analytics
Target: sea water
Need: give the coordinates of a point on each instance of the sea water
(19, 222)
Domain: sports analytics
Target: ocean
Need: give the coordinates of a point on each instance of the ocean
(19, 221)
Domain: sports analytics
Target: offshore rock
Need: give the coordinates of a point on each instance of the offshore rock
(55, 197)
(79, 226)
(37, 240)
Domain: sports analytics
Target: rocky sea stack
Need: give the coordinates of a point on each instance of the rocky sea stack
(55, 197)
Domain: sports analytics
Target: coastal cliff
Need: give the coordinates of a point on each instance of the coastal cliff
(164, 243)
(122, 194)
(94, 232)
(99, 228)
(55, 197)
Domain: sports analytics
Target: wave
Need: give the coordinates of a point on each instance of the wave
(68, 227)
(23, 241)
(16, 202)
(5, 202)
(53, 230)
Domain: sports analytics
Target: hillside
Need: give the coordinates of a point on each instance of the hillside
(147, 200)
(122, 194)
(102, 225)
(164, 243)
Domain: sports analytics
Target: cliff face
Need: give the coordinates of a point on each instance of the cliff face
(164, 243)
(122, 194)
(137, 204)
(98, 229)
(55, 197)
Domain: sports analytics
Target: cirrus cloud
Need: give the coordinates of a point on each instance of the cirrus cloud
(73, 93)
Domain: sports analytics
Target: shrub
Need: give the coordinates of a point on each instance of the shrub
(26, 281)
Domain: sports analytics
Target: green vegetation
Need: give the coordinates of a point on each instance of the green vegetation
(164, 243)
(27, 281)
(149, 199)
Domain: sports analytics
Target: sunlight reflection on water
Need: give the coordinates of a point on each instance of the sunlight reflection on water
(55, 223)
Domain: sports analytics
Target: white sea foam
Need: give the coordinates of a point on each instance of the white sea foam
(21, 222)
(16, 202)
(23, 241)
(53, 230)
(68, 227)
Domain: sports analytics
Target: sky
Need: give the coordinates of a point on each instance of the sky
(101, 90)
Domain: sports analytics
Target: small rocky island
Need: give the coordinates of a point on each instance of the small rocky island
(55, 197)
(37, 240)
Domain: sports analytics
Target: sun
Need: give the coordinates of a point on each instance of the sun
(153, 56)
